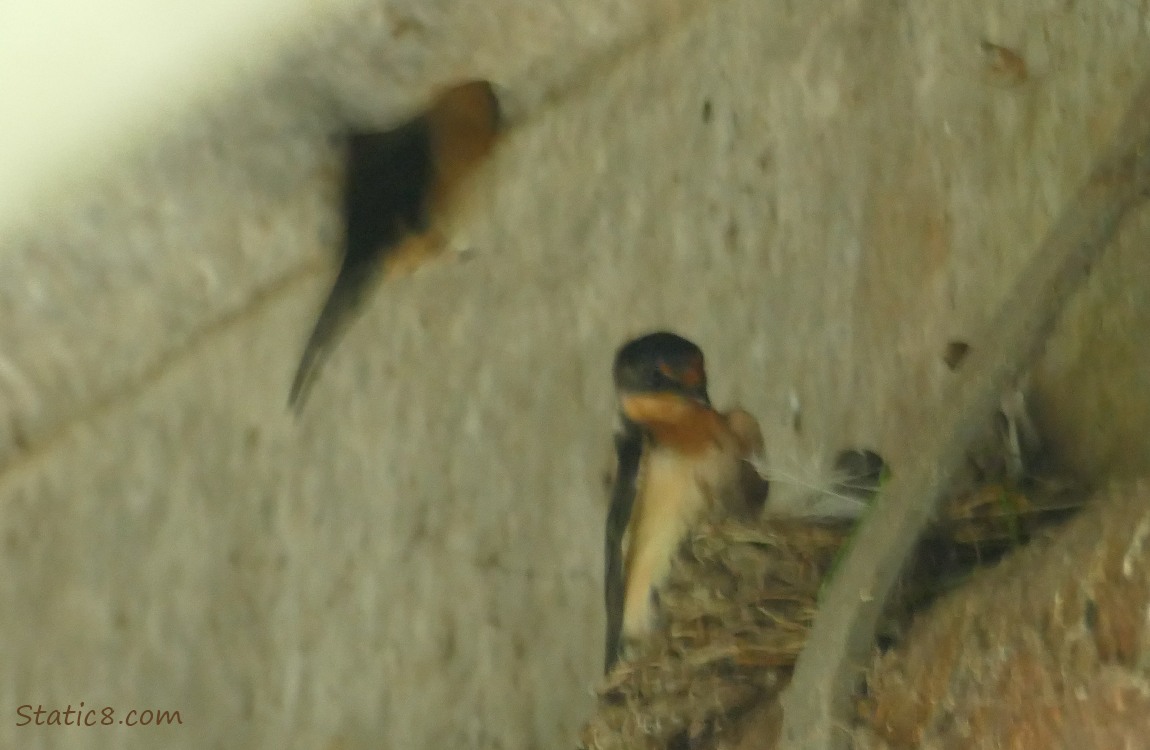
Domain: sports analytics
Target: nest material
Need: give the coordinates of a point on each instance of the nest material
(1048, 650)
(737, 606)
(742, 595)
(740, 601)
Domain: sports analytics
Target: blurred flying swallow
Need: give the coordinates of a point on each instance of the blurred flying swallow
(676, 458)
(397, 184)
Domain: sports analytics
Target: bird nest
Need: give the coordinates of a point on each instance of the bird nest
(741, 598)
(737, 607)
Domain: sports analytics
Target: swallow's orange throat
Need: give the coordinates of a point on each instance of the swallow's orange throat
(685, 425)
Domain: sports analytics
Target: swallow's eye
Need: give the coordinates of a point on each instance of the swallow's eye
(667, 371)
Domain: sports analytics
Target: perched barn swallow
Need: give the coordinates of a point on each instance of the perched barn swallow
(676, 458)
(397, 183)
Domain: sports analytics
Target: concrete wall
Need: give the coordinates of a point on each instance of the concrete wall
(820, 194)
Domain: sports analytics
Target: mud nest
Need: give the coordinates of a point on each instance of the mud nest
(742, 596)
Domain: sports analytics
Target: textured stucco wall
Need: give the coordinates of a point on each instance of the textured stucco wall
(415, 563)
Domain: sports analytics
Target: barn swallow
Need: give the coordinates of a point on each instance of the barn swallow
(677, 457)
(397, 184)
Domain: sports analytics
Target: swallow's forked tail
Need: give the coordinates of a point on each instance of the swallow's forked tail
(345, 297)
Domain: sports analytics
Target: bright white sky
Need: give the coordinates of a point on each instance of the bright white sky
(77, 74)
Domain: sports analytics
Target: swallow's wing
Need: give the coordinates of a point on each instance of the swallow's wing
(387, 187)
(386, 194)
(753, 487)
(629, 457)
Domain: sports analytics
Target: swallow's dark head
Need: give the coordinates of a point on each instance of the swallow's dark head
(661, 364)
